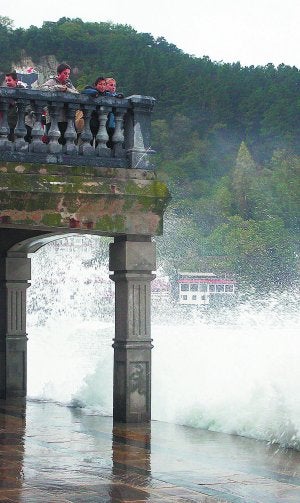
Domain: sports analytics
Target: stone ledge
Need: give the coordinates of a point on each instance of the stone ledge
(80, 170)
(114, 201)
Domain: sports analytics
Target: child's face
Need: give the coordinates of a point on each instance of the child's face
(63, 76)
(9, 81)
(111, 86)
(101, 86)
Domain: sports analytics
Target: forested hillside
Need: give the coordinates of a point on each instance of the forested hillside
(226, 136)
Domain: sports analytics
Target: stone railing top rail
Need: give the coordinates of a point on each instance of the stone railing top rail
(40, 94)
(128, 146)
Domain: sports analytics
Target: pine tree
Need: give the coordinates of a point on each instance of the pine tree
(244, 175)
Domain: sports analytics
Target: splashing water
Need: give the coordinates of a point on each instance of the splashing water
(234, 370)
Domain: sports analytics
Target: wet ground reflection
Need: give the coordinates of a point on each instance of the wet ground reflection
(50, 453)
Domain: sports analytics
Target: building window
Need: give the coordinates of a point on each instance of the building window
(220, 288)
(228, 288)
(184, 287)
(184, 297)
(194, 297)
(203, 288)
(194, 287)
(212, 288)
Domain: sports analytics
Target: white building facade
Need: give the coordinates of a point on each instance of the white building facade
(198, 288)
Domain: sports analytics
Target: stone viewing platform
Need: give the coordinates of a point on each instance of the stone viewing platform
(79, 185)
(131, 141)
(108, 188)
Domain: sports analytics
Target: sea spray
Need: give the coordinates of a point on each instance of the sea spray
(230, 369)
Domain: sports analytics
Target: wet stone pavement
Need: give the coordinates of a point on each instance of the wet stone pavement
(50, 453)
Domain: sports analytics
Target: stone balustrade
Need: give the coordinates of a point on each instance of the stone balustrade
(131, 141)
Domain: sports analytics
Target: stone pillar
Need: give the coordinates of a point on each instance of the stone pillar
(138, 132)
(14, 273)
(132, 259)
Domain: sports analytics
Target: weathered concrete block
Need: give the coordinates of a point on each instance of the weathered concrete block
(18, 269)
(106, 201)
(132, 256)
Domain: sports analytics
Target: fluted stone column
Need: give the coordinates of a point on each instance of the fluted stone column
(14, 276)
(132, 259)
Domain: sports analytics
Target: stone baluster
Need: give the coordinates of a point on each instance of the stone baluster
(5, 144)
(20, 130)
(54, 134)
(138, 132)
(102, 136)
(70, 134)
(132, 259)
(85, 147)
(118, 136)
(37, 131)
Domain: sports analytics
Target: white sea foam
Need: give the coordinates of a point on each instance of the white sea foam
(234, 370)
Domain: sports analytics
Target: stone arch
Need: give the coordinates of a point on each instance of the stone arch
(62, 301)
(132, 260)
(15, 273)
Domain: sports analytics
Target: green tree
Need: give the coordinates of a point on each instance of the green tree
(261, 253)
(242, 181)
(285, 185)
(6, 22)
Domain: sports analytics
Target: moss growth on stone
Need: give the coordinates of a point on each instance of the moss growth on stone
(151, 188)
(117, 200)
(51, 219)
(129, 202)
(111, 224)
